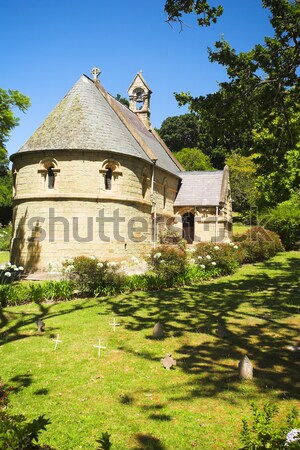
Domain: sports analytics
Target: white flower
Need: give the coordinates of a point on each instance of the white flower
(192, 261)
(292, 436)
(162, 261)
(2, 267)
(191, 250)
(93, 258)
(123, 263)
(100, 264)
(200, 257)
(213, 263)
(235, 246)
(70, 268)
(157, 255)
(231, 244)
(111, 264)
(70, 261)
(134, 259)
(202, 266)
(216, 247)
(21, 268)
(7, 274)
(148, 255)
(14, 267)
(8, 264)
(208, 257)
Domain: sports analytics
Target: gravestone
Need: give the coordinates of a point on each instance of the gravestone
(158, 331)
(245, 368)
(221, 332)
(168, 362)
(40, 324)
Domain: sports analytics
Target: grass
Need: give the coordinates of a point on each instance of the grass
(127, 392)
(4, 257)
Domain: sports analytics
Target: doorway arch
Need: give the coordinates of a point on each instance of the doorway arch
(188, 227)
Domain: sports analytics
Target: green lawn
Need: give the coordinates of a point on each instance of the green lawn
(4, 257)
(127, 392)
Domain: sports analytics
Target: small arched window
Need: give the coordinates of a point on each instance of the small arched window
(165, 197)
(51, 176)
(108, 179)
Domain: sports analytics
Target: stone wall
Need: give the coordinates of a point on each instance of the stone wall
(79, 216)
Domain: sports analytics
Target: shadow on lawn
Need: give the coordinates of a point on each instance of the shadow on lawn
(252, 312)
(148, 442)
(20, 320)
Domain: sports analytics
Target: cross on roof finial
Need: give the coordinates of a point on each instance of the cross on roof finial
(95, 72)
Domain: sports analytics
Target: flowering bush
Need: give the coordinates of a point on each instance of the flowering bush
(221, 259)
(168, 263)
(10, 273)
(94, 277)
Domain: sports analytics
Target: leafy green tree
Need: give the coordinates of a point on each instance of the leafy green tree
(180, 132)
(9, 100)
(204, 11)
(122, 100)
(242, 181)
(257, 110)
(193, 159)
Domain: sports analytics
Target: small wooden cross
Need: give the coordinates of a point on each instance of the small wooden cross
(99, 346)
(114, 324)
(56, 342)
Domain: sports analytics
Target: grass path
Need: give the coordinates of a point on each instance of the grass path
(127, 392)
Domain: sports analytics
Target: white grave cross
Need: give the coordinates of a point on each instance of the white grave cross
(99, 346)
(56, 342)
(114, 324)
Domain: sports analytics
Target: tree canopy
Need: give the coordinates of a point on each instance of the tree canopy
(206, 13)
(193, 159)
(256, 111)
(9, 100)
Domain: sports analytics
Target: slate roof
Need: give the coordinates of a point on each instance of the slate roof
(88, 118)
(202, 188)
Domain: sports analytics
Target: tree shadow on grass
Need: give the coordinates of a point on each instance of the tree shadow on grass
(148, 442)
(257, 314)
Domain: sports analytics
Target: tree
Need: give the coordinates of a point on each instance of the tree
(122, 100)
(257, 110)
(8, 101)
(242, 181)
(180, 132)
(193, 159)
(204, 11)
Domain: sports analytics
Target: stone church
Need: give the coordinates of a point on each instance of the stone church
(96, 179)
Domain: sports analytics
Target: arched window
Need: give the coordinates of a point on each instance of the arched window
(51, 178)
(165, 197)
(108, 179)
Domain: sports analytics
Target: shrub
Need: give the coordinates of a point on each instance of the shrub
(264, 433)
(10, 273)
(93, 277)
(221, 259)
(21, 293)
(170, 236)
(284, 219)
(15, 432)
(5, 237)
(259, 244)
(168, 263)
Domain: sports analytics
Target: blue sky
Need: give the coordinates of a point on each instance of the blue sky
(47, 46)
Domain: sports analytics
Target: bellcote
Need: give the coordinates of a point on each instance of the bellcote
(139, 98)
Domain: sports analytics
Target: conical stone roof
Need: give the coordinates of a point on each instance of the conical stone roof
(88, 118)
